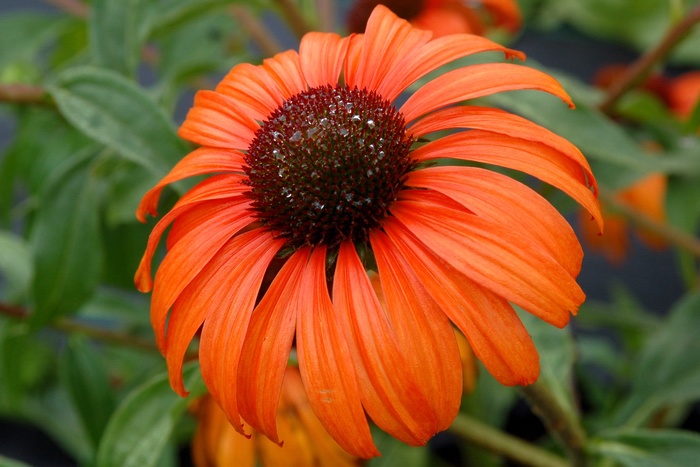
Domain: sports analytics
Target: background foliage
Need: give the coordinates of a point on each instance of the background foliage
(93, 97)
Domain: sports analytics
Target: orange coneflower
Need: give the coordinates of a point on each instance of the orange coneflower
(217, 443)
(444, 17)
(683, 93)
(314, 164)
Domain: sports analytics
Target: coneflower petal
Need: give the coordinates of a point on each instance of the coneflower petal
(267, 345)
(325, 363)
(494, 331)
(491, 255)
(390, 396)
(233, 287)
(332, 48)
(419, 323)
(477, 81)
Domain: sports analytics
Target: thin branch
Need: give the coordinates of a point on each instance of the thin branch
(23, 94)
(257, 31)
(292, 14)
(70, 326)
(639, 70)
(498, 442)
(74, 7)
(670, 234)
(560, 422)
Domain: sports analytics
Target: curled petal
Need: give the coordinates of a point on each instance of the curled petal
(392, 399)
(236, 274)
(267, 345)
(536, 159)
(199, 162)
(218, 121)
(435, 54)
(419, 323)
(507, 201)
(477, 81)
(494, 331)
(322, 56)
(325, 363)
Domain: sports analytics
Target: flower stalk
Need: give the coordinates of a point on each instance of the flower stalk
(258, 32)
(561, 423)
(23, 94)
(498, 442)
(294, 17)
(640, 69)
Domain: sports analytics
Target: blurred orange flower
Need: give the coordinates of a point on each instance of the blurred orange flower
(683, 93)
(312, 163)
(307, 443)
(444, 17)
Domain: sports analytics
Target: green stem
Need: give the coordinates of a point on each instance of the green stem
(498, 442)
(669, 233)
(562, 423)
(640, 69)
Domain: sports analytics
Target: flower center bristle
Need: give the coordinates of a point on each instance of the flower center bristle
(327, 164)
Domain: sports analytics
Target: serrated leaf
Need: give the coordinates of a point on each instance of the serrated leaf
(118, 113)
(16, 267)
(650, 448)
(117, 32)
(664, 375)
(86, 380)
(65, 239)
(143, 423)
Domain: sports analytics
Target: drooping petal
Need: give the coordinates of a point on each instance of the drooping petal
(285, 69)
(388, 39)
(229, 282)
(506, 13)
(501, 122)
(502, 199)
(435, 54)
(219, 221)
(477, 81)
(536, 159)
(390, 396)
(492, 255)
(219, 188)
(267, 345)
(325, 363)
(199, 162)
(419, 323)
(253, 88)
(322, 56)
(236, 274)
(494, 331)
(218, 121)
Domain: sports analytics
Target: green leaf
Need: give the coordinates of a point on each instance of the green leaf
(143, 423)
(117, 32)
(649, 448)
(65, 239)
(86, 380)
(118, 113)
(16, 266)
(394, 452)
(664, 375)
(173, 13)
(7, 462)
(24, 34)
